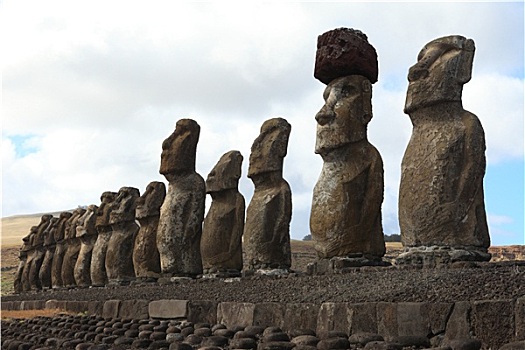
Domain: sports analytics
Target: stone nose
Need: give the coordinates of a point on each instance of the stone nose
(324, 116)
(416, 72)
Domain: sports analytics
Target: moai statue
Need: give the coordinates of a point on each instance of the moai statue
(267, 228)
(441, 202)
(119, 256)
(21, 282)
(87, 233)
(98, 273)
(146, 259)
(60, 251)
(345, 218)
(22, 256)
(38, 252)
(73, 249)
(49, 246)
(221, 243)
(181, 215)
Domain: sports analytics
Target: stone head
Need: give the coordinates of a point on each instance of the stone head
(151, 200)
(86, 223)
(104, 210)
(346, 113)
(61, 225)
(41, 230)
(226, 173)
(72, 222)
(443, 66)
(123, 208)
(28, 240)
(270, 147)
(49, 233)
(179, 149)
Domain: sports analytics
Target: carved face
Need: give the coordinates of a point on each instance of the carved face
(104, 209)
(442, 67)
(86, 223)
(123, 208)
(151, 200)
(270, 147)
(226, 173)
(179, 149)
(344, 117)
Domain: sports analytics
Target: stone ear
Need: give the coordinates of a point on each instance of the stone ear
(367, 101)
(464, 71)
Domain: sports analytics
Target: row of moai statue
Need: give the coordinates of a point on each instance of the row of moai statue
(104, 245)
(441, 202)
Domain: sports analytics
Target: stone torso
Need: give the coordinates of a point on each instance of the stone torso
(180, 226)
(222, 234)
(346, 205)
(266, 233)
(441, 191)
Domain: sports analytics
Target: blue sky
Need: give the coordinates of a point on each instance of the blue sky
(90, 91)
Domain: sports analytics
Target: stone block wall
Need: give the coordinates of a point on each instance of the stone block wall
(493, 322)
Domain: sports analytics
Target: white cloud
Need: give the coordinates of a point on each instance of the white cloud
(100, 85)
(498, 220)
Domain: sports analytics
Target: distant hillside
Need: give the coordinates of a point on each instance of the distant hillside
(14, 228)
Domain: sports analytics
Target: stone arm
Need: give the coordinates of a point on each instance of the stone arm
(471, 174)
(236, 232)
(282, 223)
(475, 164)
(370, 211)
(193, 214)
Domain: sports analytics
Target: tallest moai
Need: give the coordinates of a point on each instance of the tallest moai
(441, 201)
(345, 219)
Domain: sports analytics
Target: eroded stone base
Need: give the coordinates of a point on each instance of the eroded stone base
(338, 264)
(218, 273)
(439, 256)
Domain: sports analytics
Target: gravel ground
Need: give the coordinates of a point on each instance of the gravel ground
(486, 281)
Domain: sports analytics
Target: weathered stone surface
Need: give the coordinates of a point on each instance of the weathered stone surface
(168, 308)
(493, 322)
(37, 253)
(269, 314)
(87, 233)
(235, 314)
(411, 320)
(72, 249)
(119, 255)
(267, 228)
(437, 315)
(517, 345)
(98, 256)
(459, 323)
(345, 218)
(44, 274)
(441, 201)
(387, 320)
(146, 259)
(519, 318)
(333, 317)
(342, 52)
(111, 309)
(181, 215)
(134, 309)
(21, 282)
(221, 242)
(202, 311)
(60, 250)
(363, 318)
(300, 316)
